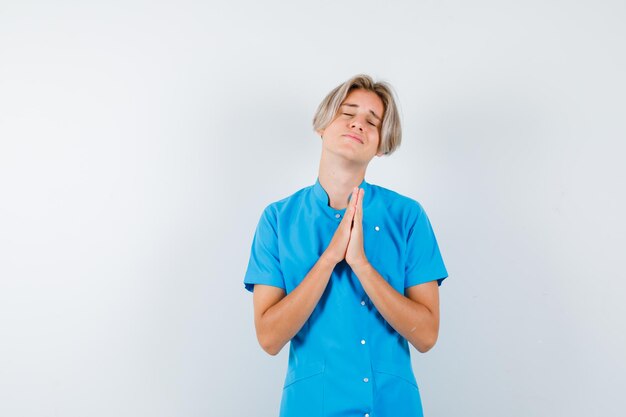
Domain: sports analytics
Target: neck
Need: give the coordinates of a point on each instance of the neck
(338, 177)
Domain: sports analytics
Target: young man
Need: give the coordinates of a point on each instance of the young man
(348, 271)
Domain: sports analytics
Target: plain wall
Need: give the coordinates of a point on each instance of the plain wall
(140, 141)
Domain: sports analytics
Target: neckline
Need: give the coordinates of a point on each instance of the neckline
(322, 196)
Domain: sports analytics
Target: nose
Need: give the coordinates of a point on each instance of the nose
(356, 123)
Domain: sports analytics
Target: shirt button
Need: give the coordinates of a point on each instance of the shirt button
(365, 379)
(362, 341)
(362, 302)
(337, 215)
(377, 228)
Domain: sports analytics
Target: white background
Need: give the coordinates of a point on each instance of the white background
(140, 141)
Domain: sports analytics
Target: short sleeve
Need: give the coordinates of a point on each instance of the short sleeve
(264, 264)
(423, 260)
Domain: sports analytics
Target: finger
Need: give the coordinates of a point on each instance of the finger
(359, 206)
(349, 214)
(352, 204)
(361, 200)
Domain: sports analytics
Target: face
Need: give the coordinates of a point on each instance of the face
(355, 130)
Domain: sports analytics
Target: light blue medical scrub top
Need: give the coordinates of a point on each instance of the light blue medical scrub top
(346, 360)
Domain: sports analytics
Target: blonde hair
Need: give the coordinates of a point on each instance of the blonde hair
(390, 131)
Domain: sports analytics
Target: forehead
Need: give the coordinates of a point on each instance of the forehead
(369, 100)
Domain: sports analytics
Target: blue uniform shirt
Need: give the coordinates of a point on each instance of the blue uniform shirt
(346, 360)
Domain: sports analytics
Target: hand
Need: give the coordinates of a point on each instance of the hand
(336, 250)
(355, 253)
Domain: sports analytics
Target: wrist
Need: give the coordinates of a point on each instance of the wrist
(326, 260)
(360, 266)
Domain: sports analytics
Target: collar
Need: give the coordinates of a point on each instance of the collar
(322, 196)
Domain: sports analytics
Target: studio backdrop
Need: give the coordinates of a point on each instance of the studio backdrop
(140, 142)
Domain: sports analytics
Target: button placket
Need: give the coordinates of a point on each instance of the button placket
(366, 379)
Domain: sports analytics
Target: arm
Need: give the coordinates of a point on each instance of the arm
(415, 316)
(279, 317)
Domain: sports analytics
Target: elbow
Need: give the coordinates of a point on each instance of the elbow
(271, 350)
(423, 348)
(425, 344)
(269, 346)
(267, 339)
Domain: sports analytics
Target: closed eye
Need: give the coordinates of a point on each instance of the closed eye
(370, 122)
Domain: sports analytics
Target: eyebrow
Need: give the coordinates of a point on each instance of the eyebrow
(356, 105)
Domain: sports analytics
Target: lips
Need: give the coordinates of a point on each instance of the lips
(354, 137)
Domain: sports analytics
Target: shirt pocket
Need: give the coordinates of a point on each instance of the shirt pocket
(303, 391)
(303, 371)
(400, 371)
(396, 391)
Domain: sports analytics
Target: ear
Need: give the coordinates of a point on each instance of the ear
(320, 132)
